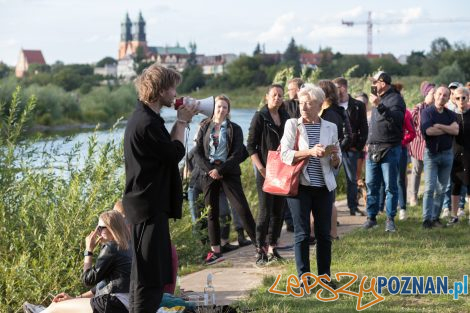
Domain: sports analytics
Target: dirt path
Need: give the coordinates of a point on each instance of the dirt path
(237, 275)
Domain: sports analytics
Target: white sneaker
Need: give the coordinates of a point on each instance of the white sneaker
(445, 213)
(461, 213)
(402, 216)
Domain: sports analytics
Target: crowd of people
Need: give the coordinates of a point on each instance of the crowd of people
(322, 126)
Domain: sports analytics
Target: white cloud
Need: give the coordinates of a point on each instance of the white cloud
(93, 39)
(9, 43)
(281, 28)
(354, 12)
(240, 35)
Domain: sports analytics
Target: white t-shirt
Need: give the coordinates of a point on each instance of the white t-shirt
(344, 105)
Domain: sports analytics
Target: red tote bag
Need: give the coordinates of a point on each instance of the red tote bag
(282, 179)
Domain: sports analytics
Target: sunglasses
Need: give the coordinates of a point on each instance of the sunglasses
(100, 228)
(460, 98)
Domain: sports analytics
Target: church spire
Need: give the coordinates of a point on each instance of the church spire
(126, 29)
(139, 29)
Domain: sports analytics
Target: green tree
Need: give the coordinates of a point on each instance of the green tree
(257, 50)
(106, 60)
(5, 70)
(415, 62)
(291, 56)
(449, 74)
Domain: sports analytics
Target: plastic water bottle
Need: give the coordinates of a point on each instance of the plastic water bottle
(209, 291)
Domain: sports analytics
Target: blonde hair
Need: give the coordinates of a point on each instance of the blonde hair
(155, 79)
(116, 225)
(120, 208)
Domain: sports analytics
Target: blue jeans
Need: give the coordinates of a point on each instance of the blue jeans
(437, 167)
(386, 170)
(319, 201)
(350, 169)
(447, 202)
(402, 166)
(194, 207)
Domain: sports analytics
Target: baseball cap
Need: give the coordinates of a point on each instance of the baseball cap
(381, 76)
(453, 85)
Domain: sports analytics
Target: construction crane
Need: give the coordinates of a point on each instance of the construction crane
(369, 24)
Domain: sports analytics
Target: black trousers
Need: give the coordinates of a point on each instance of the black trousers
(151, 264)
(234, 191)
(270, 214)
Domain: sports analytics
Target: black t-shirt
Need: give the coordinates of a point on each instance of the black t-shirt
(431, 116)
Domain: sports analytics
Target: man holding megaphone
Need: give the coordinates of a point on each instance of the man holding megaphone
(153, 191)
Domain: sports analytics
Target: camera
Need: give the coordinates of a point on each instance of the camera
(373, 90)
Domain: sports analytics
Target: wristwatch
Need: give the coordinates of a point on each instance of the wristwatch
(88, 253)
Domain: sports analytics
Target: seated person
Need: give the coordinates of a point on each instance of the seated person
(109, 277)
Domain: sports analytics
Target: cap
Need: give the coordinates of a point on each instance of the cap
(454, 85)
(381, 76)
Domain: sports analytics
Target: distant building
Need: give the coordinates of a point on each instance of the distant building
(215, 64)
(125, 68)
(310, 60)
(403, 59)
(133, 43)
(106, 70)
(26, 58)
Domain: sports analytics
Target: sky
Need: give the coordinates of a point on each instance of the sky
(85, 31)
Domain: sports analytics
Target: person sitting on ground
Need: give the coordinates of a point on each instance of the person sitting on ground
(109, 277)
(220, 151)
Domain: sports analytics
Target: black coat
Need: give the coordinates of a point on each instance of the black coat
(386, 124)
(461, 164)
(153, 182)
(264, 135)
(337, 115)
(111, 272)
(357, 115)
(236, 149)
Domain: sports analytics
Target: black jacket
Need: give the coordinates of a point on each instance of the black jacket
(357, 115)
(264, 135)
(111, 272)
(236, 149)
(386, 123)
(337, 115)
(153, 182)
(292, 108)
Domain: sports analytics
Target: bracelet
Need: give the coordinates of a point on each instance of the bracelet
(88, 253)
(182, 121)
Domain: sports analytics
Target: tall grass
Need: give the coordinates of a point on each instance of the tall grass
(47, 208)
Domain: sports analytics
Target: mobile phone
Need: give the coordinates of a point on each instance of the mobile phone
(373, 90)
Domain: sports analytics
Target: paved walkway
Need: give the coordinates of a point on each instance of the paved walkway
(237, 275)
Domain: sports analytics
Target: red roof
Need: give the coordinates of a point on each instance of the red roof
(34, 56)
(310, 58)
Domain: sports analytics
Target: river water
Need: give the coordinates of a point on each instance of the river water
(63, 145)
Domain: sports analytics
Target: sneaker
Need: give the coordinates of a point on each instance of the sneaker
(445, 213)
(360, 212)
(461, 213)
(213, 257)
(369, 224)
(275, 257)
(261, 257)
(427, 224)
(32, 308)
(330, 283)
(243, 242)
(453, 221)
(390, 226)
(228, 248)
(402, 215)
(437, 223)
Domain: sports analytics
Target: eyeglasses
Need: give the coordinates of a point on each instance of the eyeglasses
(460, 98)
(100, 228)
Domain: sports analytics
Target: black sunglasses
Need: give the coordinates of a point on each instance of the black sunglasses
(460, 98)
(100, 228)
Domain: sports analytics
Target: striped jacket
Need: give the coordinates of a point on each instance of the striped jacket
(417, 146)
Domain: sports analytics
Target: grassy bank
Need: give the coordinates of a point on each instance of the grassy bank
(411, 251)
